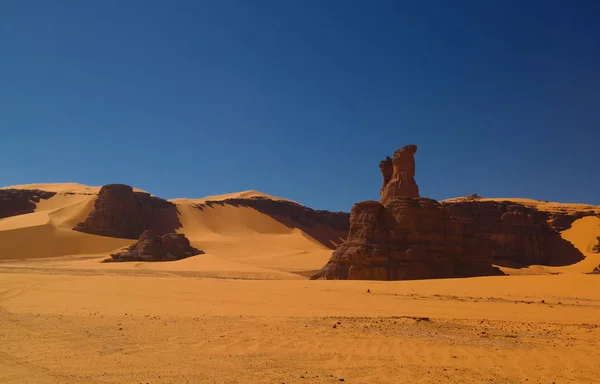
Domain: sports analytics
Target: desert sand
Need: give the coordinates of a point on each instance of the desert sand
(245, 311)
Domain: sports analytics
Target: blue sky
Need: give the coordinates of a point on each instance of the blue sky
(302, 99)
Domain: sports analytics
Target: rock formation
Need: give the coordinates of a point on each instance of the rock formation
(404, 237)
(153, 247)
(596, 247)
(121, 212)
(408, 238)
(324, 226)
(399, 175)
(511, 233)
(20, 201)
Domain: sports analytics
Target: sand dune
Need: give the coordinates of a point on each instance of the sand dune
(236, 195)
(240, 241)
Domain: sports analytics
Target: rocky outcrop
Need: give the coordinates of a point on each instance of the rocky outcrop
(121, 212)
(153, 247)
(512, 233)
(561, 221)
(596, 247)
(407, 237)
(404, 237)
(20, 201)
(399, 175)
(324, 226)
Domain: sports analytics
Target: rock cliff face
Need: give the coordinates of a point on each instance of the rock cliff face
(153, 247)
(404, 237)
(408, 238)
(512, 233)
(20, 201)
(121, 212)
(324, 226)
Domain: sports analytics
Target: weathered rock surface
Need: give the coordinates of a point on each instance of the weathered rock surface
(405, 239)
(121, 212)
(399, 175)
(20, 201)
(324, 226)
(511, 233)
(596, 247)
(153, 247)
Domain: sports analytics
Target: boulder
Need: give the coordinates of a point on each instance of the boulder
(153, 247)
(121, 212)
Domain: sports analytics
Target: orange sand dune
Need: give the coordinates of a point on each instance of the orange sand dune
(242, 239)
(236, 195)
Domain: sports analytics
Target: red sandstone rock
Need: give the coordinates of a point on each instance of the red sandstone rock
(15, 202)
(512, 233)
(121, 212)
(409, 238)
(399, 175)
(152, 247)
(404, 237)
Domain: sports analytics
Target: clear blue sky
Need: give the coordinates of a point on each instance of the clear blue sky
(302, 99)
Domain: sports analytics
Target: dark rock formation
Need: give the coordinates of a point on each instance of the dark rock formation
(596, 247)
(511, 233)
(404, 237)
(121, 212)
(561, 221)
(399, 175)
(324, 226)
(20, 201)
(407, 237)
(153, 247)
